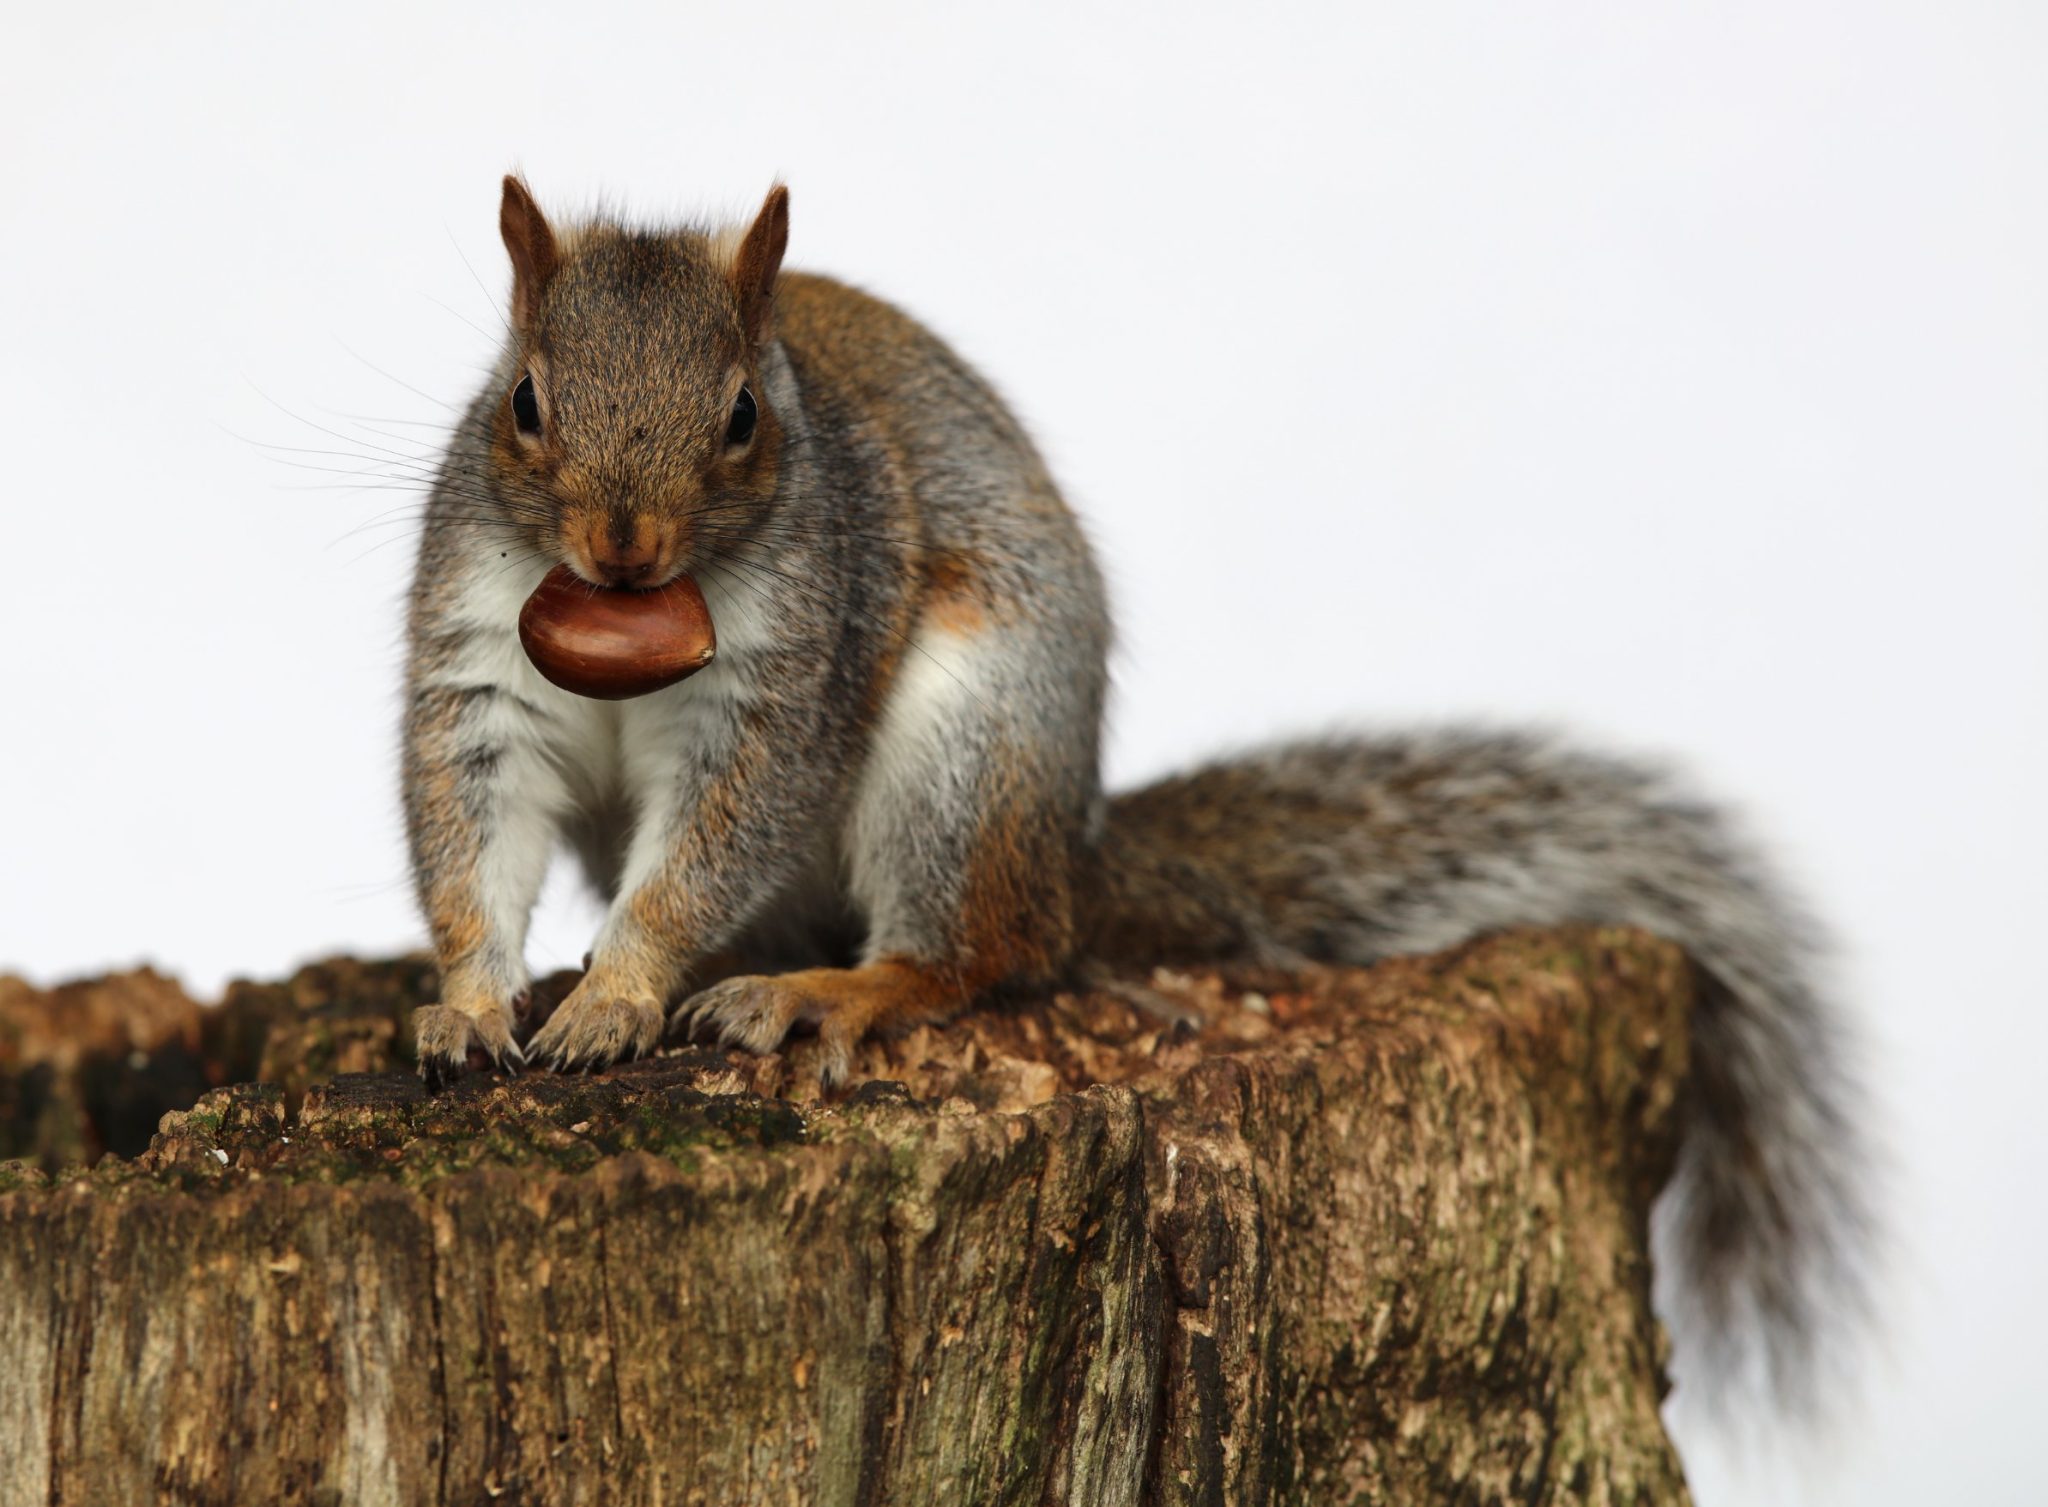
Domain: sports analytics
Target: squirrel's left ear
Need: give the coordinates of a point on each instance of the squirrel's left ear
(531, 244)
(759, 258)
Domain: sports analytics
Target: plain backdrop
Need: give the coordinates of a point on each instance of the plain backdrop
(1678, 375)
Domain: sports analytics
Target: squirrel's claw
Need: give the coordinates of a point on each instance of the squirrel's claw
(592, 1031)
(450, 1044)
(749, 1011)
(756, 1013)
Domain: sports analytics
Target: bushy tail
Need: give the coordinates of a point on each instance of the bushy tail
(1351, 849)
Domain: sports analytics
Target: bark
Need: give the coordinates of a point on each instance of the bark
(1338, 1237)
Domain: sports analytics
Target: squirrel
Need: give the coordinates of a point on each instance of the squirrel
(887, 783)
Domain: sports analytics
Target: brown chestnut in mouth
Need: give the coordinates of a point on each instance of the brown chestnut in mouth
(612, 644)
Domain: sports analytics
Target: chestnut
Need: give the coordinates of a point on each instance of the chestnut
(611, 643)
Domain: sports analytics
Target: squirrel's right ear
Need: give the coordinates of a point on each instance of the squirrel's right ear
(531, 244)
(759, 258)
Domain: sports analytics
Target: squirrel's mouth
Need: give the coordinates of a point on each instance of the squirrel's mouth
(622, 552)
(601, 580)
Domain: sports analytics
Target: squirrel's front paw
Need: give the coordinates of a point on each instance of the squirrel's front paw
(594, 1028)
(449, 1043)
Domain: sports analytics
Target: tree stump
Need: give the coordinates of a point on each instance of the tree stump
(1369, 1236)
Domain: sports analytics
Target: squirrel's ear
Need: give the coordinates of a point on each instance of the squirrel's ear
(759, 258)
(531, 245)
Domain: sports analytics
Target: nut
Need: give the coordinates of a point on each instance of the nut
(613, 644)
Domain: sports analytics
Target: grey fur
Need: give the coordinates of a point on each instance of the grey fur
(895, 756)
(829, 816)
(1355, 848)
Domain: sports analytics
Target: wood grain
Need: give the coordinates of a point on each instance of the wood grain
(1357, 1237)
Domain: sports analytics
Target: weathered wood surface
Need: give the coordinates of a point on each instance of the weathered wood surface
(1360, 1237)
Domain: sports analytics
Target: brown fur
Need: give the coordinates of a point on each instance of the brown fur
(845, 1004)
(643, 464)
(531, 244)
(759, 260)
(831, 795)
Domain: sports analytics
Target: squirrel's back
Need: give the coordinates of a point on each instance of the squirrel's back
(870, 372)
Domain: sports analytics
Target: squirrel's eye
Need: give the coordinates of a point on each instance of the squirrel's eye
(741, 429)
(526, 407)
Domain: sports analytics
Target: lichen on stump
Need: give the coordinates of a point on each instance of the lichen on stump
(1370, 1236)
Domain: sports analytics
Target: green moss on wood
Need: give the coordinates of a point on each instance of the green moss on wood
(1377, 1238)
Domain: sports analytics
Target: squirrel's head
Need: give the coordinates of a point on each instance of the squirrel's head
(635, 435)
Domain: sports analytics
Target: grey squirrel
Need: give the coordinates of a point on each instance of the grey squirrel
(887, 783)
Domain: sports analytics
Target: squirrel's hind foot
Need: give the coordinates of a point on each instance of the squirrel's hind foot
(756, 1011)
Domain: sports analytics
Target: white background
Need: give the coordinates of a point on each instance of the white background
(1679, 374)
